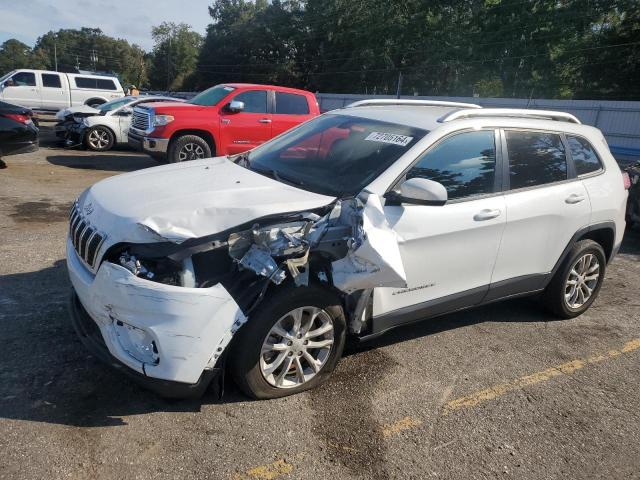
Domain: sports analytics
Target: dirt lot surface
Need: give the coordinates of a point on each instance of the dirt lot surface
(504, 391)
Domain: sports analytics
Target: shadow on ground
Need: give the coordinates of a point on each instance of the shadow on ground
(46, 375)
(113, 162)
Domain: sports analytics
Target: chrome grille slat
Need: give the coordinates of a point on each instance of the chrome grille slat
(85, 238)
(140, 119)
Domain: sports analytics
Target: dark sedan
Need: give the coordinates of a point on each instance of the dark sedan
(18, 133)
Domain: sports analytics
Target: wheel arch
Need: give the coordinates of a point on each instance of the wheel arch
(204, 134)
(603, 233)
(95, 101)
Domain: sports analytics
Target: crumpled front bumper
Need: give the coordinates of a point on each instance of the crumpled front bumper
(189, 327)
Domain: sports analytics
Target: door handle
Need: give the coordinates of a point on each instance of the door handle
(486, 214)
(264, 120)
(225, 121)
(574, 198)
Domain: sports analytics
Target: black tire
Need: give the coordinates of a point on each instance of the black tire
(554, 295)
(192, 146)
(244, 358)
(95, 102)
(99, 139)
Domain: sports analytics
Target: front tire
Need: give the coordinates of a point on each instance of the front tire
(291, 344)
(188, 147)
(99, 139)
(577, 282)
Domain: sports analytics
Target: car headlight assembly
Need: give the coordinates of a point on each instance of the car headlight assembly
(161, 120)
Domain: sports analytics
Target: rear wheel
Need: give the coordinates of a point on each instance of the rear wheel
(577, 282)
(188, 147)
(99, 139)
(291, 344)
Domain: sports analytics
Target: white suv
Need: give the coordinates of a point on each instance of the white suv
(377, 215)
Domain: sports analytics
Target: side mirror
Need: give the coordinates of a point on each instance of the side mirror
(236, 106)
(419, 191)
(9, 83)
(125, 111)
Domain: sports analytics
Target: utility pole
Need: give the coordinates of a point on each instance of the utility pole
(399, 90)
(55, 53)
(169, 65)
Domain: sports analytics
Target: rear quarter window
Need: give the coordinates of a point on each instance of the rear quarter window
(95, 83)
(584, 156)
(535, 158)
(291, 104)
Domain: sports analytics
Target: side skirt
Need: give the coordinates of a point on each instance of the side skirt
(507, 289)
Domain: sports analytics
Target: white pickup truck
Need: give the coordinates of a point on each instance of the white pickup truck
(47, 90)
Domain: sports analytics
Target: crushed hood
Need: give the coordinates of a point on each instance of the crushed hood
(84, 109)
(188, 200)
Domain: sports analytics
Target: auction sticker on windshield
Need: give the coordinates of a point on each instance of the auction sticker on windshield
(392, 138)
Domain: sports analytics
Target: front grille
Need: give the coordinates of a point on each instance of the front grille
(85, 238)
(140, 119)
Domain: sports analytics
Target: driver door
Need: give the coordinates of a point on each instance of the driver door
(246, 129)
(448, 252)
(24, 91)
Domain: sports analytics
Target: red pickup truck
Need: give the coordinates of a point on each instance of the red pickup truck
(223, 120)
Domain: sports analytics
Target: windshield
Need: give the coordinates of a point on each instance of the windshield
(6, 75)
(334, 154)
(113, 104)
(211, 96)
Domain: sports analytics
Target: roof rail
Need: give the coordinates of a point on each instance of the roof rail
(509, 112)
(417, 103)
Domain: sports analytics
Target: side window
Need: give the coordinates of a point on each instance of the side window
(255, 101)
(51, 80)
(85, 82)
(584, 156)
(535, 158)
(103, 84)
(465, 164)
(24, 79)
(291, 104)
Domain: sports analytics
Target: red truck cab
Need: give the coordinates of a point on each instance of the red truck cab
(223, 120)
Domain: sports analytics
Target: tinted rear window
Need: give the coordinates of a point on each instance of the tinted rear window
(291, 104)
(584, 155)
(95, 83)
(535, 158)
(51, 80)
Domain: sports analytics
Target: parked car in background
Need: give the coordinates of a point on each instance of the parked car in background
(103, 127)
(366, 218)
(18, 133)
(223, 120)
(52, 91)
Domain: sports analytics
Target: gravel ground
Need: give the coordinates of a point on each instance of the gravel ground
(498, 392)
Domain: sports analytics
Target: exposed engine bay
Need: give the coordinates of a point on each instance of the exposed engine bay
(346, 246)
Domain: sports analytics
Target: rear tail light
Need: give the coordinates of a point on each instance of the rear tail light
(626, 180)
(18, 117)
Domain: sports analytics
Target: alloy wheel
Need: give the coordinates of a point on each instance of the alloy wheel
(98, 139)
(582, 281)
(297, 347)
(190, 151)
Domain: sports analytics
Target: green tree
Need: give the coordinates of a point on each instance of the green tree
(175, 55)
(15, 54)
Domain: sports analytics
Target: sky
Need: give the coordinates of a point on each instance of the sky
(132, 20)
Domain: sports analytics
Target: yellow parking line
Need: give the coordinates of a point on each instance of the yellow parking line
(269, 471)
(394, 428)
(566, 368)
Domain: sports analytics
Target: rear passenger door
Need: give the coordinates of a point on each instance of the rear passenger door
(290, 109)
(53, 95)
(546, 205)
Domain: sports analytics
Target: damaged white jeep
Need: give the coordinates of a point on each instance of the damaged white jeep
(365, 218)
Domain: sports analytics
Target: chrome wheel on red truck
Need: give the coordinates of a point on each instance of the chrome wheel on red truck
(188, 147)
